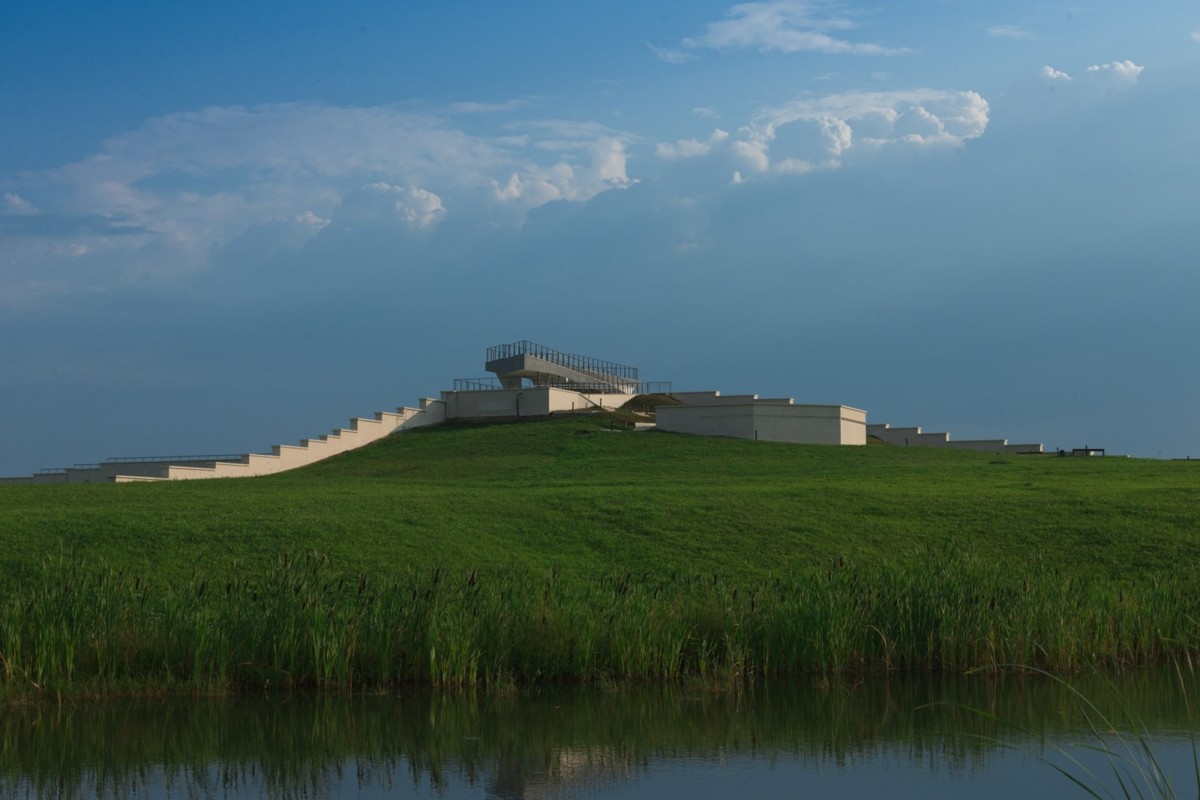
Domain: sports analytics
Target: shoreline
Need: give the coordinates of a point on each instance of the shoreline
(306, 626)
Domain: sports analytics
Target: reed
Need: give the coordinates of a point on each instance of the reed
(305, 623)
(1118, 757)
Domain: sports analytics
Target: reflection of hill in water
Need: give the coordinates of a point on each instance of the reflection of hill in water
(569, 767)
(531, 745)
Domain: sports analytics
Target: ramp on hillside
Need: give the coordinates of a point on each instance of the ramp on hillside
(361, 431)
(543, 366)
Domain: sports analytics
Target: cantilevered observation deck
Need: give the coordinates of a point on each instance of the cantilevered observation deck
(519, 361)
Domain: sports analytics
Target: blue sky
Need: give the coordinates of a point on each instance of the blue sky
(224, 226)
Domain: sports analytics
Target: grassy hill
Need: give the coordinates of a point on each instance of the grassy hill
(584, 515)
(573, 495)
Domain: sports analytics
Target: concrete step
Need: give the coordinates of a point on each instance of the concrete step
(360, 431)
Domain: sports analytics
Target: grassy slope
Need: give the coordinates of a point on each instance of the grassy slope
(571, 495)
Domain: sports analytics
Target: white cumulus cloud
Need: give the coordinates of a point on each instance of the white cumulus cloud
(608, 165)
(309, 219)
(420, 208)
(571, 177)
(818, 133)
(823, 132)
(689, 148)
(1053, 74)
(788, 26)
(1125, 71)
(754, 153)
(1196, 35)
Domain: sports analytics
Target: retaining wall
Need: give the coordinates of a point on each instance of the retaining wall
(914, 437)
(768, 420)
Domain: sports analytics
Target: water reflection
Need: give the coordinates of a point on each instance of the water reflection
(555, 743)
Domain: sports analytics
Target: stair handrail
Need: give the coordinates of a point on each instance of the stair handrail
(166, 459)
(593, 366)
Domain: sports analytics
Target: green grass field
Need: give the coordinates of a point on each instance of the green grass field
(739, 556)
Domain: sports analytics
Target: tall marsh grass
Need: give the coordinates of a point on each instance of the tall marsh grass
(305, 624)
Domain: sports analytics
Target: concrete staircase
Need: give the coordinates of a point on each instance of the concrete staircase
(361, 431)
(915, 437)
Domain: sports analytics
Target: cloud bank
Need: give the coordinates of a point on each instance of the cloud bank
(786, 26)
(820, 133)
(156, 200)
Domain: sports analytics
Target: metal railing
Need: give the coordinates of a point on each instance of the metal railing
(477, 384)
(594, 366)
(168, 459)
(583, 387)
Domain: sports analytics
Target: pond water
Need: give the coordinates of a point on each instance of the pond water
(928, 737)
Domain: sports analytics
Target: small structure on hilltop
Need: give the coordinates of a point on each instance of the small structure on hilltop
(532, 380)
(542, 366)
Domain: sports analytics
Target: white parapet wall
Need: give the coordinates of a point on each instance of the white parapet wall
(914, 437)
(774, 420)
(907, 437)
(716, 398)
(534, 401)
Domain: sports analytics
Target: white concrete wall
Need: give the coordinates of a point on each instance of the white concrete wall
(904, 437)
(854, 430)
(535, 401)
(736, 421)
(769, 421)
(914, 437)
(431, 412)
(107, 471)
(486, 404)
